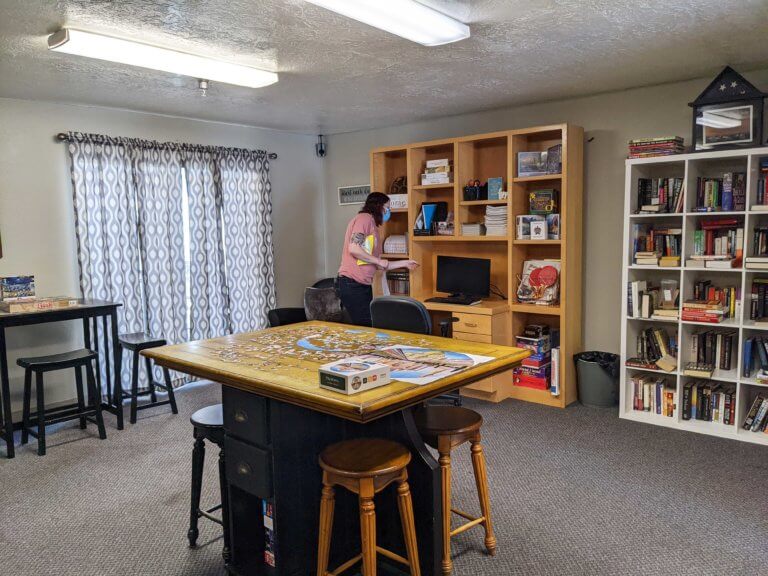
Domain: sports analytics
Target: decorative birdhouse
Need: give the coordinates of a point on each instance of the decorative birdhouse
(728, 114)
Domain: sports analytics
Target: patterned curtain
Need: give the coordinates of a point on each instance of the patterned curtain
(181, 235)
(247, 218)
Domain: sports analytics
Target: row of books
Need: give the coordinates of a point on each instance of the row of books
(755, 357)
(652, 393)
(660, 195)
(762, 192)
(726, 194)
(758, 301)
(648, 147)
(710, 350)
(656, 350)
(709, 402)
(652, 243)
(541, 370)
(644, 300)
(399, 282)
(756, 419)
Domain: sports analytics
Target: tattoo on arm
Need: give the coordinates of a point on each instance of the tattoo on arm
(357, 238)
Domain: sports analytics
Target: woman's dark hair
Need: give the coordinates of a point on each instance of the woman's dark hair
(373, 206)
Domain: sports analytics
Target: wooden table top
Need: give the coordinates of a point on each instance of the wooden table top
(282, 363)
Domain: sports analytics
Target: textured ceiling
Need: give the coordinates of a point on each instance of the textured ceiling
(339, 75)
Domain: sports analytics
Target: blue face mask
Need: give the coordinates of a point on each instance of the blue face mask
(387, 214)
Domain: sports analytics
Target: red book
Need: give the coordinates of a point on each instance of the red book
(531, 382)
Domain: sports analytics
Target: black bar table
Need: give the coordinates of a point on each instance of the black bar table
(88, 311)
(277, 420)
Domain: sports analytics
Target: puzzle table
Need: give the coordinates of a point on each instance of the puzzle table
(277, 420)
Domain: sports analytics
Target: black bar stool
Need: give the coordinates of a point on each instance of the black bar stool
(41, 364)
(137, 342)
(208, 425)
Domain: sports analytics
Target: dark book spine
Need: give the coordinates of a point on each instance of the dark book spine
(686, 402)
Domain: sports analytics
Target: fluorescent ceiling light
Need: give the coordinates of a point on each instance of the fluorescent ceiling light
(146, 56)
(406, 18)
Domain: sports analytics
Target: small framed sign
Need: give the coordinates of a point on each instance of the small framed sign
(353, 194)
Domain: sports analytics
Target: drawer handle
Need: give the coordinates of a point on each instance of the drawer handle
(241, 416)
(243, 469)
(470, 324)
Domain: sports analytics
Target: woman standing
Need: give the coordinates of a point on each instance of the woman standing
(361, 258)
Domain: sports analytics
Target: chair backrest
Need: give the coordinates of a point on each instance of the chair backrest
(400, 313)
(323, 304)
(324, 283)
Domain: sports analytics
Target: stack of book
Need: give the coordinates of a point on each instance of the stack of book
(762, 191)
(496, 220)
(711, 350)
(717, 244)
(654, 394)
(729, 297)
(472, 229)
(710, 311)
(663, 146)
(537, 370)
(709, 402)
(656, 350)
(437, 172)
(756, 419)
(722, 194)
(660, 195)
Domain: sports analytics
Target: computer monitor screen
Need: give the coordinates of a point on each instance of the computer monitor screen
(469, 276)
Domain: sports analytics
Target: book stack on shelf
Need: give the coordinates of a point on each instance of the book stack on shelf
(644, 300)
(663, 146)
(755, 359)
(654, 394)
(496, 220)
(660, 195)
(712, 350)
(541, 369)
(759, 258)
(399, 282)
(717, 244)
(656, 350)
(762, 192)
(724, 194)
(437, 172)
(758, 302)
(657, 246)
(712, 304)
(473, 229)
(709, 402)
(757, 416)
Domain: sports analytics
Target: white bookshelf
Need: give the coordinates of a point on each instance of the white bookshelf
(689, 167)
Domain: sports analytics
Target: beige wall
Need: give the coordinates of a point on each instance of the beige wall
(36, 221)
(609, 121)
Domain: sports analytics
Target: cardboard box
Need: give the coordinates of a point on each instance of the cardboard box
(353, 375)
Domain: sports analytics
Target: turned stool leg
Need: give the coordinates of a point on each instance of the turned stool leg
(40, 414)
(81, 396)
(445, 474)
(327, 505)
(198, 461)
(135, 387)
(481, 479)
(405, 505)
(226, 552)
(26, 408)
(368, 530)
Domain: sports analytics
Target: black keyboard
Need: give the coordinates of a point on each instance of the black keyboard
(459, 299)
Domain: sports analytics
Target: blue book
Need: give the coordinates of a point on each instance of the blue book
(747, 368)
(727, 192)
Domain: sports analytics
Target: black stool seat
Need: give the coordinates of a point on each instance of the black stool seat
(140, 341)
(208, 424)
(58, 361)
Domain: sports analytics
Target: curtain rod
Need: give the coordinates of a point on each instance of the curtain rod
(63, 137)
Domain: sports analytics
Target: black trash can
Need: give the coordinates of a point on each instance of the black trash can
(597, 374)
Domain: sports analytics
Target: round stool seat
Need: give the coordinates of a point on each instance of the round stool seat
(364, 457)
(208, 417)
(439, 420)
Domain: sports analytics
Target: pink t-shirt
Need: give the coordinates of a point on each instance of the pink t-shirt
(362, 228)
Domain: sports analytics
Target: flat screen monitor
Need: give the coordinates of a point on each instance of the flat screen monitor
(467, 276)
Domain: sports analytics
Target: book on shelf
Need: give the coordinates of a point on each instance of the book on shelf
(438, 164)
(724, 194)
(714, 349)
(758, 301)
(762, 193)
(720, 240)
(654, 394)
(656, 350)
(649, 147)
(399, 282)
(709, 401)
(660, 195)
(754, 356)
(496, 220)
(473, 229)
(669, 261)
(539, 370)
(645, 300)
(698, 370)
(756, 419)
(756, 263)
(653, 242)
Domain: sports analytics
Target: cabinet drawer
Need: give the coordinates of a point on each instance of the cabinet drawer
(470, 337)
(474, 323)
(248, 467)
(245, 415)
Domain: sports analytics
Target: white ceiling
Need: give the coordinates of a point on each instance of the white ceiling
(339, 75)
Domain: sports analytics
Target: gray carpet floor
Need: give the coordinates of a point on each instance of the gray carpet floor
(574, 492)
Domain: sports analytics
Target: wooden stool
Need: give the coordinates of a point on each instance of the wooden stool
(41, 364)
(366, 466)
(444, 428)
(137, 342)
(208, 425)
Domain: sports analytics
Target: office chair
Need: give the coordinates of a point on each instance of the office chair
(409, 315)
(294, 315)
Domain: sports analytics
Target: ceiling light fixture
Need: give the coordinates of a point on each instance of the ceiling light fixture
(113, 49)
(406, 18)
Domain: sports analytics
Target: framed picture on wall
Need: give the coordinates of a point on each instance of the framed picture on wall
(353, 194)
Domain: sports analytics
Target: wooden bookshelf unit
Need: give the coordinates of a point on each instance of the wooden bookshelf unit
(690, 167)
(479, 157)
